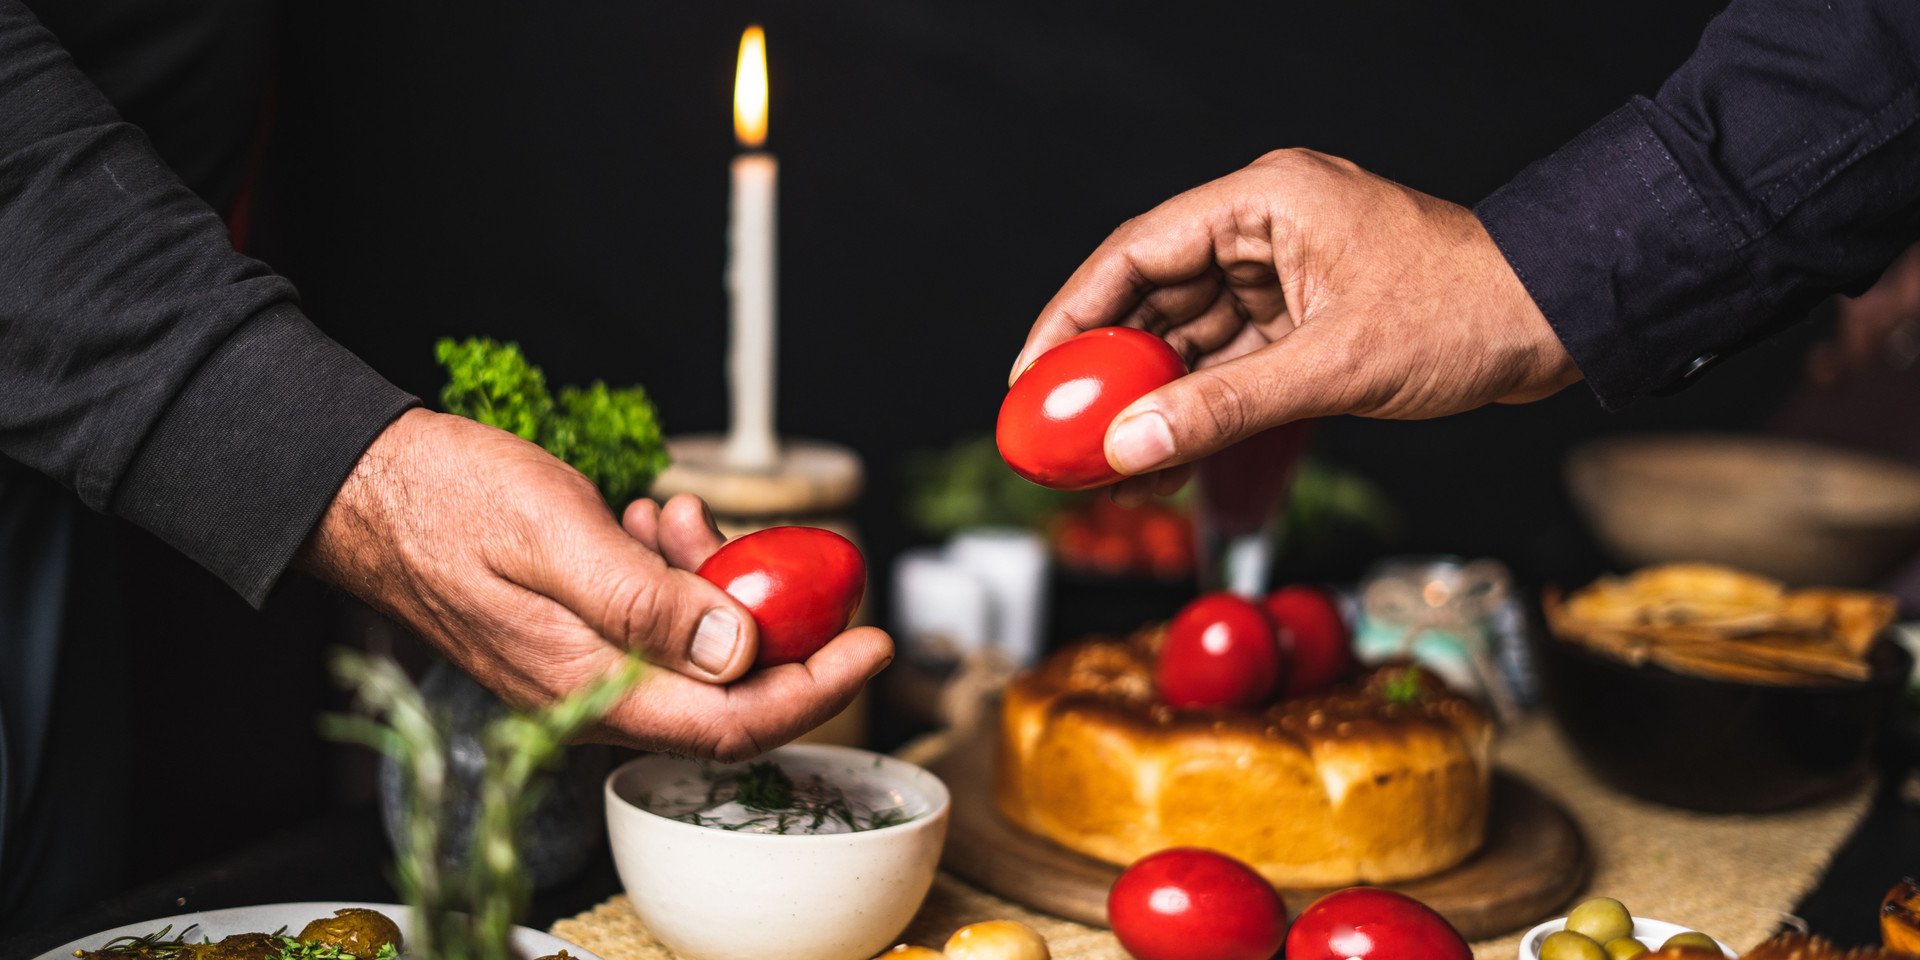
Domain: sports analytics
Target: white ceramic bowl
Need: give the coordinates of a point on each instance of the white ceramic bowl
(711, 894)
(1653, 933)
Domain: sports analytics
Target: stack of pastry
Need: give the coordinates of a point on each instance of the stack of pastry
(1724, 623)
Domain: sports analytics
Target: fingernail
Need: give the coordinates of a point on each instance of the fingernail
(1140, 442)
(714, 641)
(712, 524)
(884, 664)
(1014, 374)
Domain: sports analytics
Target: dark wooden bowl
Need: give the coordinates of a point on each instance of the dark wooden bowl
(1793, 511)
(1718, 746)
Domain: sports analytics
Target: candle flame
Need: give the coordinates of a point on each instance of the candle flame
(750, 89)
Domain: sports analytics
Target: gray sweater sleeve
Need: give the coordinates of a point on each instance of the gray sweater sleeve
(144, 363)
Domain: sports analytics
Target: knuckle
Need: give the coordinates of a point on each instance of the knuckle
(639, 613)
(1285, 156)
(1304, 164)
(1125, 233)
(1224, 403)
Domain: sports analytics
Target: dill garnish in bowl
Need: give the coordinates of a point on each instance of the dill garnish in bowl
(763, 797)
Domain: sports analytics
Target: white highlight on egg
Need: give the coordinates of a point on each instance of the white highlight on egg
(1070, 399)
(1169, 900)
(751, 589)
(1215, 639)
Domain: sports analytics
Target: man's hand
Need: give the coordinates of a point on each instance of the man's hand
(1303, 286)
(509, 562)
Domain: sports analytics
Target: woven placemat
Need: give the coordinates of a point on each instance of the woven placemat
(1732, 876)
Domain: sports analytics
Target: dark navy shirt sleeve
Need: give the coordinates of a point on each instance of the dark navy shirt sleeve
(144, 363)
(1780, 164)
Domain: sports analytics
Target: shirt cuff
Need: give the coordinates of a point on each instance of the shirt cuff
(1643, 285)
(249, 454)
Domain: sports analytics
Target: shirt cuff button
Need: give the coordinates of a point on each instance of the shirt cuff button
(1694, 370)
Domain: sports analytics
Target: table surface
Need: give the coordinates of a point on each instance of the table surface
(344, 857)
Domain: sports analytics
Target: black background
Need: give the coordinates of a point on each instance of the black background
(556, 173)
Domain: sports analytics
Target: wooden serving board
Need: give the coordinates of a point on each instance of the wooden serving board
(1533, 862)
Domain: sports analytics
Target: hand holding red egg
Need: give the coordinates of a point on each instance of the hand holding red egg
(802, 585)
(1053, 422)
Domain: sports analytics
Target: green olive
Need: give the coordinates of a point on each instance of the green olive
(1625, 948)
(355, 930)
(1691, 939)
(1601, 919)
(1567, 945)
(241, 946)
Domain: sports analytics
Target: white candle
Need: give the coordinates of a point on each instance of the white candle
(751, 278)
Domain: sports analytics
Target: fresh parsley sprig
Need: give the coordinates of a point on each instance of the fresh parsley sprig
(493, 383)
(612, 435)
(1404, 687)
(293, 949)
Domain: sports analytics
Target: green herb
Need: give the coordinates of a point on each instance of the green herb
(1403, 687)
(292, 949)
(154, 946)
(765, 787)
(888, 818)
(968, 485)
(782, 805)
(611, 435)
(1325, 498)
(493, 383)
(468, 914)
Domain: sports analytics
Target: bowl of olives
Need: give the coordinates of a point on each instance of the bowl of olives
(1603, 929)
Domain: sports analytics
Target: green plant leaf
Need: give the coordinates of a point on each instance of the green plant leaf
(493, 383)
(968, 485)
(612, 436)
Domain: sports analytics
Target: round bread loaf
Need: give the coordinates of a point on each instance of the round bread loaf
(1380, 781)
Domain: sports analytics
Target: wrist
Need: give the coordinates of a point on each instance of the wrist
(1540, 358)
(348, 546)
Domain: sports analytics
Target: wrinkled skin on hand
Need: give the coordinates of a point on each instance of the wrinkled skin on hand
(510, 563)
(1303, 286)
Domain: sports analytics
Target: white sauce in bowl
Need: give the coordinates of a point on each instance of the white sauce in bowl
(795, 796)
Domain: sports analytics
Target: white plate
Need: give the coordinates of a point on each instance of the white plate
(215, 924)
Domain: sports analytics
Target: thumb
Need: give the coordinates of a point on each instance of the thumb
(1217, 406)
(630, 596)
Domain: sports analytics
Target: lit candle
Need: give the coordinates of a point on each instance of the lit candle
(751, 283)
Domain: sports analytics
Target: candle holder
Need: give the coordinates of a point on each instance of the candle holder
(807, 478)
